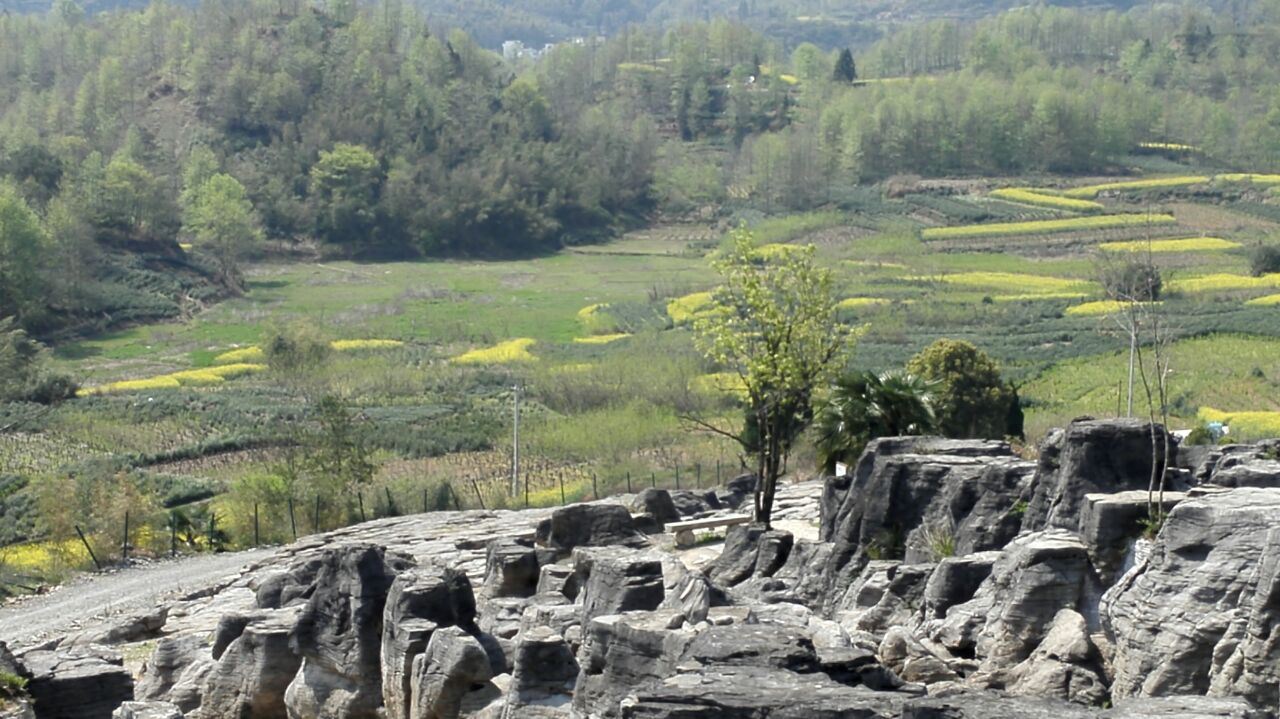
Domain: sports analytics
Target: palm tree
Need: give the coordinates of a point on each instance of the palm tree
(866, 405)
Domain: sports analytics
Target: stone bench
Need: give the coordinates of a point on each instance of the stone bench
(684, 530)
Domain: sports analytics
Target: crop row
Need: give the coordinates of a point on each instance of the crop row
(1041, 227)
(1191, 244)
(1042, 199)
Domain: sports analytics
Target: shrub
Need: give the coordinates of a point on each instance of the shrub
(295, 347)
(1264, 259)
(973, 401)
(1133, 281)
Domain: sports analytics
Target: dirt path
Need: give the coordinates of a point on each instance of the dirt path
(96, 600)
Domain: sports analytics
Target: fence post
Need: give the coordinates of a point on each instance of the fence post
(293, 523)
(628, 481)
(677, 476)
(173, 535)
(124, 548)
(360, 502)
(212, 544)
(315, 522)
(92, 556)
(561, 476)
(698, 482)
(391, 503)
(256, 537)
(476, 486)
(653, 480)
(526, 489)
(457, 503)
(424, 500)
(595, 488)
(718, 480)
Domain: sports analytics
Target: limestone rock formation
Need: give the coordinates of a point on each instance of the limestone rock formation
(589, 525)
(253, 671)
(1202, 615)
(419, 602)
(85, 682)
(339, 635)
(452, 664)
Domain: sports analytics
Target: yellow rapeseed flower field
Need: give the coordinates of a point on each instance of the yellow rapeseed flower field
(516, 350)
(1041, 227)
(246, 354)
(202, 377)
(1101, 307)
(1044, 199)
(1147, 184)
(685, 309)
(1172, 146)
(1224, 282)
(1252, 425)
(1247, 177)
(859, 302)
(349, 345)
(1266, 301)
(1191, 244)
(1024, 284)
(600, 339)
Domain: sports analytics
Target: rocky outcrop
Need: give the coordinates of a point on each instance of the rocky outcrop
(1037, 576)
(888, 593)
(1091, 457)
(544, 676)
(339, 635)
(618, 580)
(253, 671)
(991, 705)
(85, 682)
(1200, 615)
(920, 499)
(418, 604)
(621, 654)
(1256, 473)
(1111, 522)
(657, 503)
(589, 525)
(1185, 707)
(513, 567)
(1066, 665)
(954, 581)
(452, 664)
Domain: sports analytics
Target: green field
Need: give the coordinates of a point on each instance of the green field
(599, 341)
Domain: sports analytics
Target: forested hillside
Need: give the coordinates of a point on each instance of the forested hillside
(148, 153)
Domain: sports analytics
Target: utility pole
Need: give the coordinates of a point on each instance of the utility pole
(515, 441)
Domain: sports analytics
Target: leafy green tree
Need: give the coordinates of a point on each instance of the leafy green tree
(972, 399)
(772, 323)
(346, 180)
(864, 406)
(130, 206)
(845, 69)
(22, 239)
(1264, 259)
(221, 220)
(24, 374)
(808, 61)
(339, 463)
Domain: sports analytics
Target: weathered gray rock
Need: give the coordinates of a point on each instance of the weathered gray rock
(918, 499)
(691, 504)
(1091, 457)
(1202, 615)
(339, 635)
(909, 659)
(887, 593)
(737, 492)
(618, 580)
(512, 568)
(1111, 522)
(559, 578)
(419, 602)
(1255, 473)
(137, 628)
(991, 705)
(147, 710)
(1185, 707)
(453, 662)
(753, 645)
(168, 661)
(955, 580)
(253, 672)
(599, 524)
(692, 597)
(621, 654)
(656, 502)
(1065, 666)
(544, 674)
(84, 682)
(289, 586)
(1036, 576)
(749, 692)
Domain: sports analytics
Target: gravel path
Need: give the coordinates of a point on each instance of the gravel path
(96, 600)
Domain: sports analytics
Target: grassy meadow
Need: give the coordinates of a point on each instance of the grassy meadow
(426, 354)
